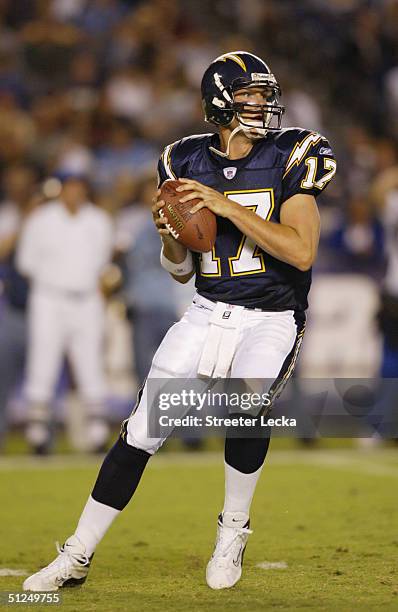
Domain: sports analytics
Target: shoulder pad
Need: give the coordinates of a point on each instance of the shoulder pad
(288, 138)
(296, 143)
(308, 160)
(176, 155)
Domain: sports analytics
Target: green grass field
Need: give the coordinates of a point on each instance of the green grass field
(329, 515)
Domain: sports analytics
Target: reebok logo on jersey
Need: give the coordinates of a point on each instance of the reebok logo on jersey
(325, 151)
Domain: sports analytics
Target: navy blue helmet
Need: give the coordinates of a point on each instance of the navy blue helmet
(231, 72)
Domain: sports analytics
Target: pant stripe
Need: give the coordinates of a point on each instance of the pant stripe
(290, 362)
(123, 428)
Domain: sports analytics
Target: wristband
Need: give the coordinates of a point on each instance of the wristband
(178, 269)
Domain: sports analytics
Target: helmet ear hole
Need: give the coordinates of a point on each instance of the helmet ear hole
(217, 116)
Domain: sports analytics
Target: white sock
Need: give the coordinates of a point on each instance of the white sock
(239, 489)
(94, 522)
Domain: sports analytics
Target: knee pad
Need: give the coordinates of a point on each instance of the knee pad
(244, 453)
(120, 474)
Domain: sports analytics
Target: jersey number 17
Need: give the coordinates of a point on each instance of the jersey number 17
(249, 259)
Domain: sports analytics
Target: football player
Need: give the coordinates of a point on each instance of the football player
(261, 181)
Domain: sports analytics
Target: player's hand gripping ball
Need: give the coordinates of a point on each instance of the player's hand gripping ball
(195, 231)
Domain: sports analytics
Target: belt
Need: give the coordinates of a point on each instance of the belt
(210, 305)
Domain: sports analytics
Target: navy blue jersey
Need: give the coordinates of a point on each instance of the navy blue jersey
(278, 166)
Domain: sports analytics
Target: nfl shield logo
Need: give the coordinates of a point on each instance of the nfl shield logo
(230, 172)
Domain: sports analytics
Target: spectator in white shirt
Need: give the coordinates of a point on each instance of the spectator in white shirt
(64, 248)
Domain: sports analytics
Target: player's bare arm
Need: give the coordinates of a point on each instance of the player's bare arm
(172, 249)
(294, 240)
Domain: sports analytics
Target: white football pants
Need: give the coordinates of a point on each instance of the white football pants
(59, 325)
(266, 347)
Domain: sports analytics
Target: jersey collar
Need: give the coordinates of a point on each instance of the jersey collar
(224, 162)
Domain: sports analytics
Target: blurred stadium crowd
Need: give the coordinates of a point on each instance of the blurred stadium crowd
(96, 88)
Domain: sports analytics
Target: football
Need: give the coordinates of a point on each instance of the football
(198, 231)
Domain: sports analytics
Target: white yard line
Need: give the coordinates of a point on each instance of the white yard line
(355, 460)
(269, 565)
(373, 463)
(6, 571)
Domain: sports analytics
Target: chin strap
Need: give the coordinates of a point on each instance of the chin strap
(232, 134)
(249, 133)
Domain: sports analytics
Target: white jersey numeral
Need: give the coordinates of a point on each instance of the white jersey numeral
(210, 265)
(312, 164)
(248, 259)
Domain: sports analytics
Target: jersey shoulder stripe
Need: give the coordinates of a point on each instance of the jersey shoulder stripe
(166, 160)
(176, 154)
